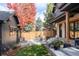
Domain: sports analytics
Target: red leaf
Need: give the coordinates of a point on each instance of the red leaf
(25, 12)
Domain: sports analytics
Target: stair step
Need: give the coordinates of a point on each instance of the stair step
(58, 52)
(70, 51)
(74, 48)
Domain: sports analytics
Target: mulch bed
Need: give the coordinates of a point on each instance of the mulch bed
(11, 52)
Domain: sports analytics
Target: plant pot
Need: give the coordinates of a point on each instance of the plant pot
(56, 48)
(67, 45)
(51, 46)
(61, 46)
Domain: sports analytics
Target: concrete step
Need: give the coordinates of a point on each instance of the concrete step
(75, 49)
(70, 51)
(58, 52)
(55, 52)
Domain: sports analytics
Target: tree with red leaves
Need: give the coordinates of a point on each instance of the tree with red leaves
(24, 11)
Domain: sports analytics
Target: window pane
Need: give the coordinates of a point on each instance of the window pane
(71, 26)
(78, 25)
(72, 30)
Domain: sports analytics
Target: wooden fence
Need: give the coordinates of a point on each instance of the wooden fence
(34, 34)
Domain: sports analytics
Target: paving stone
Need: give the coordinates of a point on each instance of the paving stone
(58, 52)
(71, 51)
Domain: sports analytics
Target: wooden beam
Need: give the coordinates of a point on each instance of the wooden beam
(67, 27)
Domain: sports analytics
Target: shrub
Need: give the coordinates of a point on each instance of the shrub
(34, 50)
(57, 43)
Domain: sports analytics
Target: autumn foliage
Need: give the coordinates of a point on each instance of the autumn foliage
(24, 11)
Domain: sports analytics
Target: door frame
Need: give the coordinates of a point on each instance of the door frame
(60, 30)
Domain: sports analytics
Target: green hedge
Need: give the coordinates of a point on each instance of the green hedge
(35, 50)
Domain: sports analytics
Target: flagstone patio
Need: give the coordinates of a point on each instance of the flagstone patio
(71, 51)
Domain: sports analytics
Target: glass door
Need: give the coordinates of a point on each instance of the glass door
(74, 30)
(77, 29)
(60, 30)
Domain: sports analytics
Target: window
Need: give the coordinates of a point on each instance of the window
(76, 26)
(72, 26)
(74, 29)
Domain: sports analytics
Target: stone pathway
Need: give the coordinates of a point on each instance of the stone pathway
(58, 53)
(71, 51)
(31, 42)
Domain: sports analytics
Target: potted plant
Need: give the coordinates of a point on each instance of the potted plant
(57, 44)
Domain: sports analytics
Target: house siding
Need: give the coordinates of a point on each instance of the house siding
(75, 18)
(7, 36)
